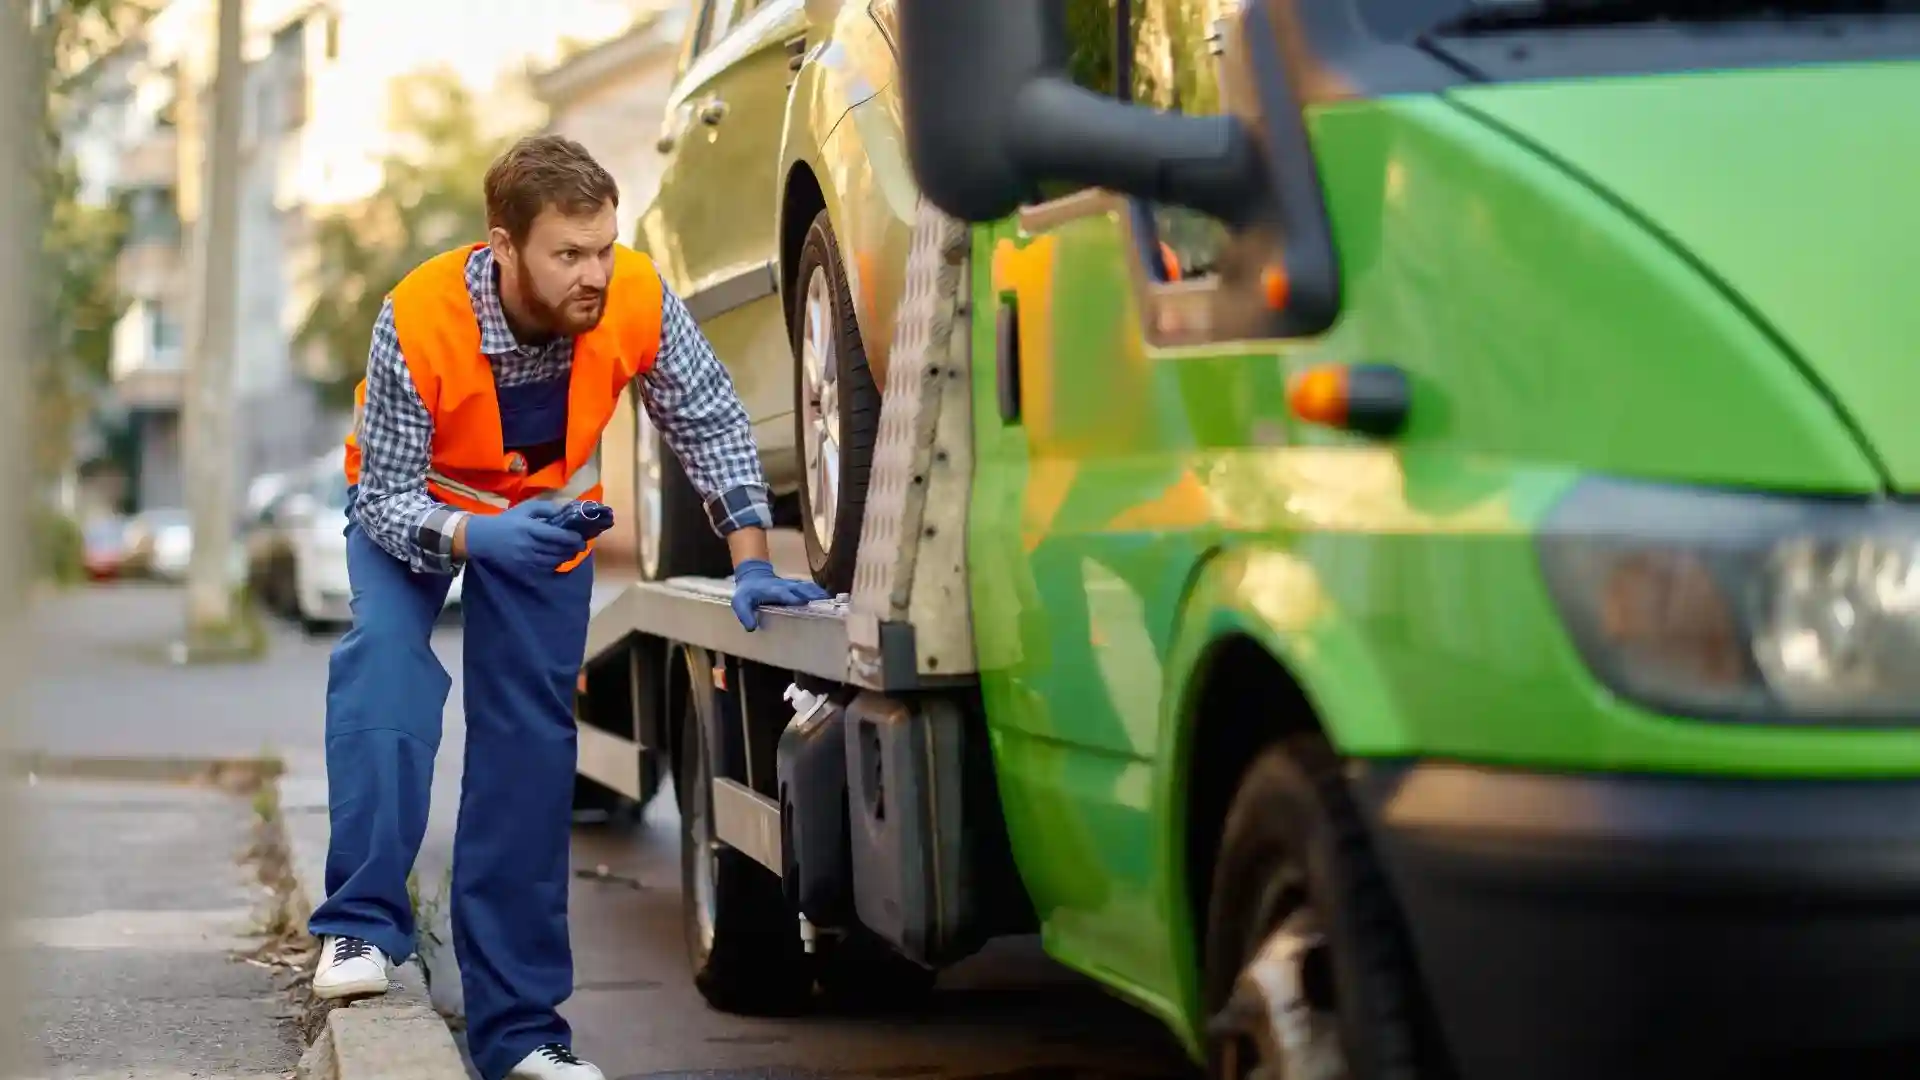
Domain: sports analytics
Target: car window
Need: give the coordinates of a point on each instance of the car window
(333, 492)
(1091, 31)
(1174, 64)
(719, 18)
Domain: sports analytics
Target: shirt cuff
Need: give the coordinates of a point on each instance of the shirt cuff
(744, 507)
(434, 538)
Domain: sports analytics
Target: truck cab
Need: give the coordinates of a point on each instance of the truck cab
(1391, 547)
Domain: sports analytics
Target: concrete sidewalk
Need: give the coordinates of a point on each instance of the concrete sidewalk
(138, 910)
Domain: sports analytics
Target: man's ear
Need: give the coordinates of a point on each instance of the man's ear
(501, 243)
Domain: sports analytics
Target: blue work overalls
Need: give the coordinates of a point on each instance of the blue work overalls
(525, 637)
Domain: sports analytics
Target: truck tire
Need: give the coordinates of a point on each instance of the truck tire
(671, 534)
(743, 941)
(836, 406)
(1300, 914)
(860, 973)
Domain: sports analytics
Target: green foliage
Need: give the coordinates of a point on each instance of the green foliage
(430, 201)
(59, 548)
(80, 249)
(79, 300)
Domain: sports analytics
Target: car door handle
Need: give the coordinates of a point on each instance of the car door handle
(713, 112)
(1007, 335)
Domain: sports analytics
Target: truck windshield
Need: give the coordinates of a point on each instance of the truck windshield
(1405, 19)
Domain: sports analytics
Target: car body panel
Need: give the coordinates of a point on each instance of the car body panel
(1827, 274)
(864, 164)
(1151, 504)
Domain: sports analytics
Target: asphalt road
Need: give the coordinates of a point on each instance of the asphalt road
(104, 688)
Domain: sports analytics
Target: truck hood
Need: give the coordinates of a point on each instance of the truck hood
(1794, 188)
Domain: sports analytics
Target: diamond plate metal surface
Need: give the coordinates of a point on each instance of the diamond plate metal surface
(912, 564)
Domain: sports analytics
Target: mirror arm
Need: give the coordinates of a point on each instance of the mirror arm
(1206, 163)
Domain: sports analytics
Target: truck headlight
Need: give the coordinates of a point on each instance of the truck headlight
(1741, 606)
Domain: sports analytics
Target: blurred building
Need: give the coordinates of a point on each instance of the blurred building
(611, 96)
(152, 165)
(315, 132)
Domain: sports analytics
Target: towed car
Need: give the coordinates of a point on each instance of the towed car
(782, 219)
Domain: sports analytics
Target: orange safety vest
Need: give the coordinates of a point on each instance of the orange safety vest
(439, 334)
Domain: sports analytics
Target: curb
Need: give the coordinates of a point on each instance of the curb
(240, 774)
(398, 1036)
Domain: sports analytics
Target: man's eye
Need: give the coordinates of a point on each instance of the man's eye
(569, 256)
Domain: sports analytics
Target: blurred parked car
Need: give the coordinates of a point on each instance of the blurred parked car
(104, 551)
(782, 218)
(159, 543)
(264, 489)
(266, 541)
(297, 551)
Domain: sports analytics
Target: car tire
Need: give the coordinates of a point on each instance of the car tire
(1296, 878)
(743, 941)
(836, 412)
(671, 534)
(310, 624)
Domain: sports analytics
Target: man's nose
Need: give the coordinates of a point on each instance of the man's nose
(595, 275)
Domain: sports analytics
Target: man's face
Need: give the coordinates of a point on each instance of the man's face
(559, 276)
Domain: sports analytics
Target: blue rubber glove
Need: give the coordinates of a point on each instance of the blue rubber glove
(521, 539)
(755, 586)
(585, 518)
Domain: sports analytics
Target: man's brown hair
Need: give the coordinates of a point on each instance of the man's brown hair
(541, 171)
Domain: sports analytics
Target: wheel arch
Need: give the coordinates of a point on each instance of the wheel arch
(1255, 629)
(802, 199)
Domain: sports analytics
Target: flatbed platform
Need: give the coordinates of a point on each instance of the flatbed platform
(811, 640)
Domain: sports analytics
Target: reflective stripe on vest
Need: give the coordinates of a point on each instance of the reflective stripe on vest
(582, 481)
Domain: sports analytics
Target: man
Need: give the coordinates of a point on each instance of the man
(493, 371)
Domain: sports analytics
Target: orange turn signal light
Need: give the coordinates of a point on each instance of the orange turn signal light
(1276, 288)
(1318, 395)
(1372, 399)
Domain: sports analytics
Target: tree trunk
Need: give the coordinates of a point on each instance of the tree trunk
(209, 421)
(20, 126)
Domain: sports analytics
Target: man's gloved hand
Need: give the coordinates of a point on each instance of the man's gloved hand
(521, 539)
(585, 518)
(755, 586)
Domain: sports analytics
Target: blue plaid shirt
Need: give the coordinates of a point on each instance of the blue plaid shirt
(687, 393)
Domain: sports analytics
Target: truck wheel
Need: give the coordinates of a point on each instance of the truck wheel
(836, 409)
(860, 973)
(1308, 970)
(743, 941)
(671, 534)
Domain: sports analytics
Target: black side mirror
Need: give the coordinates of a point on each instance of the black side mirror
(991, 115)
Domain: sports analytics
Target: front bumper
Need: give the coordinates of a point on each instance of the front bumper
(1575, 926)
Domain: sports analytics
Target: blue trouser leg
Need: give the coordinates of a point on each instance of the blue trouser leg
(385, 694)
(525, 637)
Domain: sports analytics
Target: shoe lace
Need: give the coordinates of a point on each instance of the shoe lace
(558, 1053)
(347, 948)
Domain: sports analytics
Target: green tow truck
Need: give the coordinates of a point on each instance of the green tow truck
(1390, 546)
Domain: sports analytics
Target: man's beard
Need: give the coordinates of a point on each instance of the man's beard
(575, 315)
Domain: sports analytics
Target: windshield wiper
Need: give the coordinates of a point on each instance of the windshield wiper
(1490, 15)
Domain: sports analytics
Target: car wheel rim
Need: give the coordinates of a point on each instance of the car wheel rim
(820, 406)
(649, 481)
(1281, 1023)
(706, 857)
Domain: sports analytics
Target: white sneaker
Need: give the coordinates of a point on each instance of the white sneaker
(349, 967)
(554, 1062)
